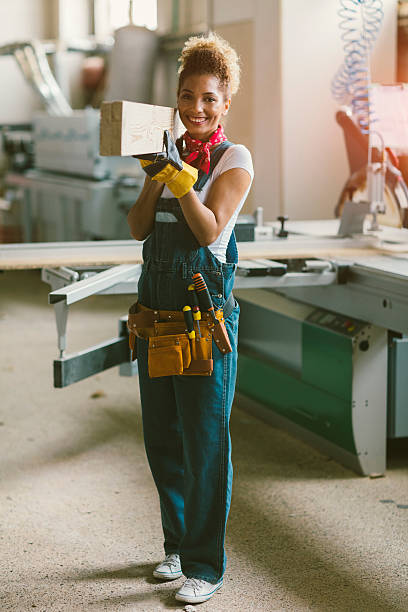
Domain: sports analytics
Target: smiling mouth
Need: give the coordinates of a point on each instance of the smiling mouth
(197, 120)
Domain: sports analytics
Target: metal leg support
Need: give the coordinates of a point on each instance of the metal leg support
(127, 368)
(61, 316)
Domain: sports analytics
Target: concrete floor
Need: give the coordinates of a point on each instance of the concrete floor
(79, 517)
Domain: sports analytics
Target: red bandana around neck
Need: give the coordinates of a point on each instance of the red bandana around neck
(200, 151)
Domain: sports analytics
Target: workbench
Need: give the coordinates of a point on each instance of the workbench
(114, 252)
(322, 347)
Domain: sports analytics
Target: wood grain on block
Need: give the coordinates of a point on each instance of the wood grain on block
(132, 128)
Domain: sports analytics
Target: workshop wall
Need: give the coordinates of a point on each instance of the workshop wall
(182, 16)
(284, 111)
(266, 96)
(314, 163)
(239, 121)
(21, 20)
(255, 117)
(72, 22)
(40, 19)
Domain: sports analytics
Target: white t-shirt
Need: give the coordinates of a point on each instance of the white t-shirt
(236, 156)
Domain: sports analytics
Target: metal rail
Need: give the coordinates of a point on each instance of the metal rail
(96, 284)
(372, 294)
(68, 289)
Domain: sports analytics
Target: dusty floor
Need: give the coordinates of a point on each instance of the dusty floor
(79, 517)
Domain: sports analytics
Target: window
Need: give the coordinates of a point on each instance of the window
(113, 14)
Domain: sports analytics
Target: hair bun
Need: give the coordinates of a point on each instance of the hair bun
(210, 55)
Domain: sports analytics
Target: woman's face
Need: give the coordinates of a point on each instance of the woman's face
(201, 104)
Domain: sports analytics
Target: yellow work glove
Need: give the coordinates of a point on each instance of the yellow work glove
(169, 168)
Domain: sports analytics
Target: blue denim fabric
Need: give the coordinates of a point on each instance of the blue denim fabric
(186, 418)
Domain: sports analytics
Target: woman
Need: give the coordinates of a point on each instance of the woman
(186, 418)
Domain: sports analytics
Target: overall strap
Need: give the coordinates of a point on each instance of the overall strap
(232, 251)
(215, 158)
(231, 254)
(202, 176)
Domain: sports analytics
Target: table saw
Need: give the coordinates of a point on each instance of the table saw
(323, 340)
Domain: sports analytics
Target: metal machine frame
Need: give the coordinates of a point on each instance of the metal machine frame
(369, 290)
(68, 288)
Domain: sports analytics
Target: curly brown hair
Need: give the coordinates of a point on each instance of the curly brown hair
(210, 55)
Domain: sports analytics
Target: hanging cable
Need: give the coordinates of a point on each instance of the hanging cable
(360, 22)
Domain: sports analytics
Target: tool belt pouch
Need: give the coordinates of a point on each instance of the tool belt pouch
(168, 355)
(139, 324)
(197, 352)
(201, 359)
(170, 351)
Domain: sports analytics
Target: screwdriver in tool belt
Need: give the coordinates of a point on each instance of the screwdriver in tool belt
(189, 321)
(204, 295)
(195, 307)
(218, 329)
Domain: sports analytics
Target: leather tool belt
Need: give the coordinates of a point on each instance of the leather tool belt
(170, 351)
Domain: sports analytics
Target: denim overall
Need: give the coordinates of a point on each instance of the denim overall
(186, 418)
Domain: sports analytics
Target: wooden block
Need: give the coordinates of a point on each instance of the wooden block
(132, 128)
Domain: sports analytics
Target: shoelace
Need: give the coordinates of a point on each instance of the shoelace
(194, 583)
(171, 561)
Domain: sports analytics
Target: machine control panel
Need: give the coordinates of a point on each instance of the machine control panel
(336, 322)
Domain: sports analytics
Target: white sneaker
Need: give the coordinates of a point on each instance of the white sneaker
(169, 569)
(195, 590)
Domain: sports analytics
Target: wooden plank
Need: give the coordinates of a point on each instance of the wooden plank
(132, 128)
(43, 255)
(40, 255)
